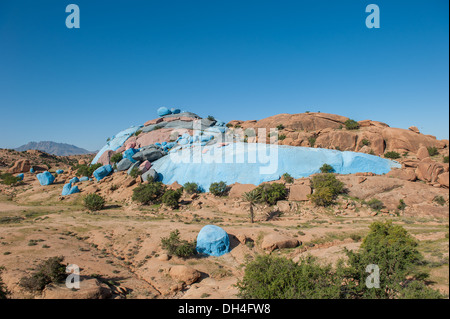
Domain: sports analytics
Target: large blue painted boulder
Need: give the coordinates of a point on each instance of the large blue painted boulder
(59, 171)
(74, 180)
(66, 189)
(213, 241)
(128, 154)
(73, 190)
(84, 179)
(163, 111)
(20, 176)
(102, 172)
(175, 111)
(45, 178)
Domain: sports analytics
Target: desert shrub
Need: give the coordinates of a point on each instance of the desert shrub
(288, 178)
(218, 189)
(351, 124)
(271, 193)
(355, 237)
(211, 118)
(49, 271)
(175, 246)
(85, 170)
(432, 151)
(191, 188)
(150, 193)
(312, 141)
(375, 204)
(322, 197)
(229, 125)
(116, 158)
(392, 155)
(394, 251)
(371, 152)
(365, 142)
(94, 202)
(446, 158)
(135, 172)
(281, 137)
(401, 205)
(3, 290)
(138, 132)
(326, 189)
(270, 277)
(280, 127)
(9, 179)
(440, 200)
(326, 168)
(172, 197)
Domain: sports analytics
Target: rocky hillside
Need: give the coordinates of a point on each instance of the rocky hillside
(59, 149)
(423, 157)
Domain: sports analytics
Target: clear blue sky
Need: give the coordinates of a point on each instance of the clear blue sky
(231, 59)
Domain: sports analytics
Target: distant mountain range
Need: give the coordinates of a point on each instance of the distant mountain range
(60, 149)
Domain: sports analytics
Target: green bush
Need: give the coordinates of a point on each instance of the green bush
(191, 188)
(280, 127)
(392, 155)
(401, 205)
(440, 200)
(94, 202)
(312, 141)
(49, 271)
(375, 204)
(446, 158)
(9, 179)
(326, 168)
(229, 125)
(150, 193)
(351, 124)
(3, 290)
(135, 172)
(116, 158)
(138, 132)
(365, 142)
(270, 277)
(282, 137)
(218, 189)
(270, 193)
(288, 178)
(211, 118)
(175, 246)
(326, 189)
(85, 170)
(172, 197)
(394, 251)
(432, 151)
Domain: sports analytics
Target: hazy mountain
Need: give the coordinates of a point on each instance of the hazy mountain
(54, 148)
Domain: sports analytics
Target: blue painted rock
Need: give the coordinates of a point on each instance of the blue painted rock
(213, 241)
(129, 154)
(163, 111)
(102, 172)
(45, 178)
(32, 170)
(74, 180)
(20, 176)
(124, 164)
(175, 111)
(84, 179)
(59, 171)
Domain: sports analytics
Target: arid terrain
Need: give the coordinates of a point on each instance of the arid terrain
(118, 248)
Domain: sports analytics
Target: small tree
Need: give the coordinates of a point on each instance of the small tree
(326, 189)
(288, 178)
(271, 193)
(252, 198)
